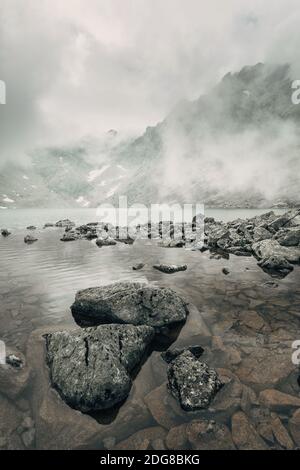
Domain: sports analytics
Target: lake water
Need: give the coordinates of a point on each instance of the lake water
(248, 312)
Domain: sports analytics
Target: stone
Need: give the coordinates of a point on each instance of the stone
(192, 382)
(177, 438)
(69, 237)
(138, 266)
(129, 302)
(288, 237)
(170, 268)
(294, 427)
(48, 224)
(283, 220)
(65, 223)
(281, 434)
(225, 271)
(276, 263)
(209, 435)
(278, 401)
(31, 227)
(30, 239)
(137, 440)
(260, 233)
(244, 434)
(28, 437)
(105, 242)
(269, 248)
(158, 402)
(91, 368)
(5, 232)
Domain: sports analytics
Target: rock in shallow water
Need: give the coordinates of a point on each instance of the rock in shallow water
(91, 368)
(170, 268)
(129, 302)
(192, 382)
(29, 239)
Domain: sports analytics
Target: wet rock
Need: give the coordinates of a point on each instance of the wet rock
(270, 248)
(5, 232)
(14, 361)
(69, 237)
(209, 435)
(91, 368)
(277, 264)
(288, 237)
(294, 427)
(31, 227)
(48, 224)
(171, 354)
(278, 401)
(129, 302)
(137, 440)
(65, 223)
(216, 235)
(170, 268)
(105, 242)
(29, 239)
(261, 233)
(138, 266)
(244, 434)
(280, 433)
(192, 382)
(225, 271)
(177, 438)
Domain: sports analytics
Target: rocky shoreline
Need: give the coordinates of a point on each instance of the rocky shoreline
(232, 386)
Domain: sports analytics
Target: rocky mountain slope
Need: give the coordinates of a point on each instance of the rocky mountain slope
(236, 146)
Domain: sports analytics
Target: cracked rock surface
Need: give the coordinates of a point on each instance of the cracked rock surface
(129, 302)
(91, 368)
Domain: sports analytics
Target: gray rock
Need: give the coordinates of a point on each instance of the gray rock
(283, 220)
(48, 224)
(138, 266)
(14, 361)
(192, 382)
(5, 232)
(225, 271)
(31, 227)
(288, 237)
(65, 223)
(28, 437)
(105, 242)
(268, 248)
(261, 233)
(129, 302)
(276, 263)
(29, 239)
(170, 268)
(91, 367)
(69, 237)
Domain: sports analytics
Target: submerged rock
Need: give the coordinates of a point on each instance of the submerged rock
(209, 435)
(91, 368)
(30, 239)
(129, 302)
(170, 268)
(192, 382)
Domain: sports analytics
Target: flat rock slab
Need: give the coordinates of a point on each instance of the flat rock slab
(129, 302)
(91, 368)
(192, 382)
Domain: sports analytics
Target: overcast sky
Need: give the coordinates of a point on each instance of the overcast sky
(81, 67)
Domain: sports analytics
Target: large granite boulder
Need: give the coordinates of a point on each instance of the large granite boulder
(129, 302)
(91, 368)
(192, 382)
